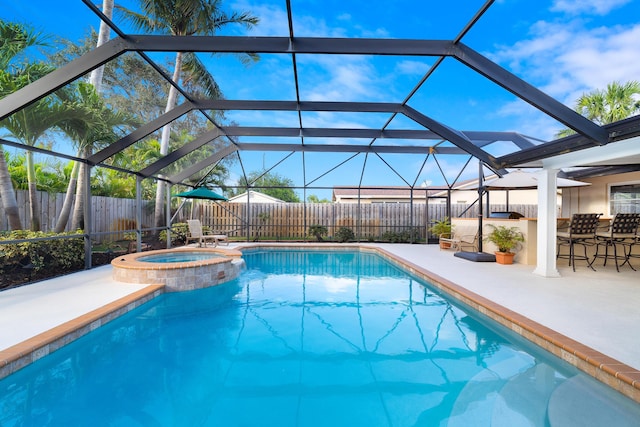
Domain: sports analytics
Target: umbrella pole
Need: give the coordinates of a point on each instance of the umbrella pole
(478, 256)
(178, 210)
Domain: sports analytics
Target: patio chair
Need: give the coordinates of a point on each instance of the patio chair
(582, 231)
(196, 233)
(460, 240)
(622, 231)
(467, 242)
(632, 243)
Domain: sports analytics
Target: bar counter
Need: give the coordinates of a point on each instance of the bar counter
(527, 252)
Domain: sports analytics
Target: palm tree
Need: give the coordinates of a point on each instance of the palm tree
(616, 103)
(14, 40)
(31, 123)
(184, 18)
(96, 126)
(92, 126)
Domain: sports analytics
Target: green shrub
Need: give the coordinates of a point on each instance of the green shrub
(404, 236)
(179, 232)
(58, 254)
(130, 235)
(344, 234)
(318, 231)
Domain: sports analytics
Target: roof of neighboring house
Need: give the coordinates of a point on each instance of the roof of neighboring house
(382, 192)
(255, 197)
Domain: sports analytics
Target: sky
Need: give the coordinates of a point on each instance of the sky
(563, 47)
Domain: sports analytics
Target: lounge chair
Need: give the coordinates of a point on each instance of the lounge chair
(196, 233)
(461, 240)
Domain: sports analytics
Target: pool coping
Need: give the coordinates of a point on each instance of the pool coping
(607, 370)
(26, 352)
(617, 375)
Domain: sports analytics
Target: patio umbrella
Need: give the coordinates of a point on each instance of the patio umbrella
(520, 180)
(202, 193)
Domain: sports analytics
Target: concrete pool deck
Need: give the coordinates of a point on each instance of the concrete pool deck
(597, 309)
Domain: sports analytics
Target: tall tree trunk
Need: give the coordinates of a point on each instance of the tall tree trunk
(95, 78)
(34, 203)
(65, 212)
(103, 36)
(77, 220)
(164, 142)
(7, 195)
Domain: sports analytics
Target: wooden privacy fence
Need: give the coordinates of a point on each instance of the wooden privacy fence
(109, 214)
(263, 221)
(291, 221)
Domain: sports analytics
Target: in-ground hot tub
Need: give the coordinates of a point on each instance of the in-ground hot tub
(180, 269)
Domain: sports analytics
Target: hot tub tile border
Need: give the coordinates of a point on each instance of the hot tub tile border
(179, 276)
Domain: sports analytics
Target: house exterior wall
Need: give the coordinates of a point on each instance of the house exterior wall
(594, 198)
(516, 197)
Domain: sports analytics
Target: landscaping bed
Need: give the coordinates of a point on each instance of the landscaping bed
(23, 275)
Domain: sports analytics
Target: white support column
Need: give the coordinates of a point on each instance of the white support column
(547, 220)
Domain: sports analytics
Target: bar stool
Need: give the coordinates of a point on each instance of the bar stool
(582, 231)
(630, 245)
(622, 231)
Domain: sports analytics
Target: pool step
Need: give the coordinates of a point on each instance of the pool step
(576, 402)
(523, 399)
(476, 402)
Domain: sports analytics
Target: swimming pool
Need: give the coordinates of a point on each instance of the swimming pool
(306, 339)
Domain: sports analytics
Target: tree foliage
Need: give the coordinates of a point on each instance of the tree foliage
(617, 102)
(312, 198)
(268, 183)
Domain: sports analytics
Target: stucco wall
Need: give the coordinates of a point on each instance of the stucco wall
(595, 197)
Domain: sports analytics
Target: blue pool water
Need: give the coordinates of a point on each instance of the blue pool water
(179, 257)
(306, 339)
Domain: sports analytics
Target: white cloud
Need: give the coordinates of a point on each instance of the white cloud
(333, 78)
(330, 120)
(273, 19)
(412, 67)
(323, 78)
(274, 22)
(595, 7)
(566, 59)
